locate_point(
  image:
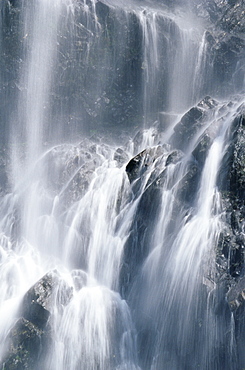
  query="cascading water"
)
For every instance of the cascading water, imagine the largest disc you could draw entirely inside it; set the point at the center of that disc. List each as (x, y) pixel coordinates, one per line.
(178, 264)
(109, 261)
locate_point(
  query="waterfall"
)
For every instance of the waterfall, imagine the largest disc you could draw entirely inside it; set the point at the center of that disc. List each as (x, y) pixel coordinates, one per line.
(114, 180)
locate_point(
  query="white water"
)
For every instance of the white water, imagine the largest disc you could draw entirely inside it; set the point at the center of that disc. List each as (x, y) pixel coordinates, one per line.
(54, 220)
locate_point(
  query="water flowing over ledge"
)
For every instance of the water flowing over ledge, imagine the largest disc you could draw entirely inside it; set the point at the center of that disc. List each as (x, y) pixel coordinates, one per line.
(122, 186)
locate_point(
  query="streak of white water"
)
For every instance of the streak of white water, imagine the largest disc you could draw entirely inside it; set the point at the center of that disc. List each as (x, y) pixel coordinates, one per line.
(183, 255)
(20, 267)
(99, 211)
(41, 36)
(182, 72)
(197, 236)
(85, 332)
(150, 66)
(200, 66)
(91, 233)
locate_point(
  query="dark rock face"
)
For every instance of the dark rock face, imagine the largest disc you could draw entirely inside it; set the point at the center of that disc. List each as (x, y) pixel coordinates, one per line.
(230, 254)
(227, 14)
(10, 64)
(188, 185)
(25, 345)
(39, 299)
(137, 246)
(237, 174)
(192, 121)
(199, 153)
(134, 166)
(236, 295)
(234, 197)
(225, 41)
(232, 16)
(236, 301)
(139, 164)
(30, 338)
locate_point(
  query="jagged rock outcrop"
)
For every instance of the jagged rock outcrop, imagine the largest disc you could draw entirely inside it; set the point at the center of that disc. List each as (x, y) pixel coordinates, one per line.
(134, 166)
(193, 121)
(30, 337)
(26, 343)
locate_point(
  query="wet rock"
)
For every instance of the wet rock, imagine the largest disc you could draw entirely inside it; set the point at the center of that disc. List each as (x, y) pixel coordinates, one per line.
(193, 115)
(201, 150)
(30, 337)
(232, 18)
(236, 295)
(231, 245)
(26, 344)
(237, 173)
(187, 187)
(227, 52)
(225, 41)
(121, 157)
(157, 160)
(134, 166)
(174, 157)
(40, 298)
(138, 243)
(227, 15)
(234, 182)
(37, 301)
(192, 121)
(207, 103)
(232, 187)
(211, 9)
(79, 183)
(139, 164)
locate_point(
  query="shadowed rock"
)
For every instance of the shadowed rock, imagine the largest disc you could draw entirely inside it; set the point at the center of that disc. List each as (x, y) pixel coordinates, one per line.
(236, 295)
(30, 337)
(26, 344)
(192, 121)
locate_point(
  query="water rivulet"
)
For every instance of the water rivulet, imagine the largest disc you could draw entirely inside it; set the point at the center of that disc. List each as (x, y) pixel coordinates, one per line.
(122, 185)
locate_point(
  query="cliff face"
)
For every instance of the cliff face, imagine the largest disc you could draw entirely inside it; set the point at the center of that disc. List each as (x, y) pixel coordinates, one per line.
(226, 41)
(100, 76)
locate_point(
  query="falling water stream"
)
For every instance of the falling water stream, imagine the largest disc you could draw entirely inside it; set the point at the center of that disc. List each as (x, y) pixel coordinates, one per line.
(71, 209)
